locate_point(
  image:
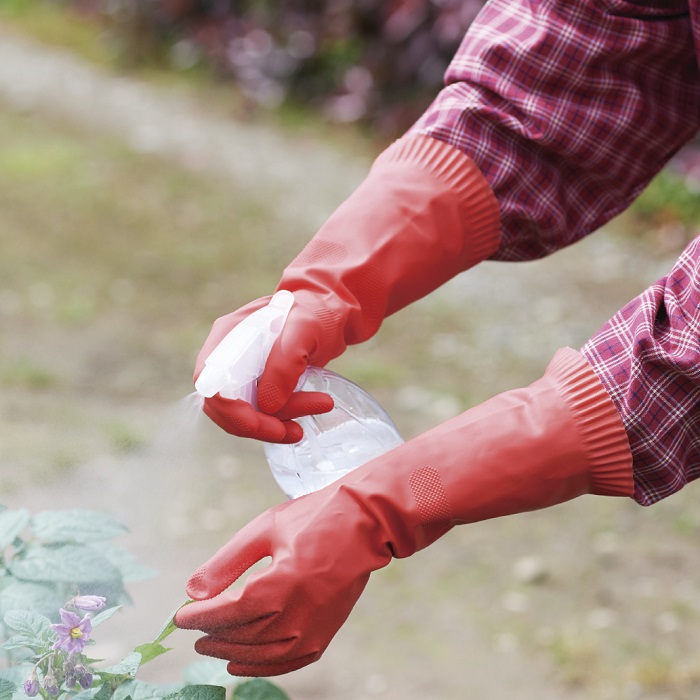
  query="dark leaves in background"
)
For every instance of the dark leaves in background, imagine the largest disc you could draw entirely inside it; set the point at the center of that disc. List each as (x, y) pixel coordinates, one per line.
(369, 61)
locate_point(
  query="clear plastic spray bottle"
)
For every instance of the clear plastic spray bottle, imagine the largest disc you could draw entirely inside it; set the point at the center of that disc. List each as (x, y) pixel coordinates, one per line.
(357, 430)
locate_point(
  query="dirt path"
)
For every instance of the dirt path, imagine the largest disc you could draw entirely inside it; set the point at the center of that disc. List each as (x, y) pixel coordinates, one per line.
(466, 619)
(256, 158)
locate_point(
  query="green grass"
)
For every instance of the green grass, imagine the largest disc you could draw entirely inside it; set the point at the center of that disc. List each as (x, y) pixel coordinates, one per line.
(98, 239)
(124, 438)
(669, 200)
(52, 25)
(84, 213)
(27, 375)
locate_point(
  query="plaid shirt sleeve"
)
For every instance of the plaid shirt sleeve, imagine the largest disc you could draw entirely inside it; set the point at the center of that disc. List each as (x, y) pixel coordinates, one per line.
(648, 358)
(569, 108)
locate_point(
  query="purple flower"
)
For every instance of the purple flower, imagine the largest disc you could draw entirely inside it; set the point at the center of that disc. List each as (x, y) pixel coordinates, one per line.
(89, 603)
(73, 633)
(31, 686)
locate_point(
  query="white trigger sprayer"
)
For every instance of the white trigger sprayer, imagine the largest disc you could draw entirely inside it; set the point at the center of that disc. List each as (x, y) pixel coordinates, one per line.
(236, 363)
(354, 432)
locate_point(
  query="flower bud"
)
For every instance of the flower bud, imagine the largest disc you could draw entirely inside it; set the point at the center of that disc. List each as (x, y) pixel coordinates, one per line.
(79, 670)
(71, 680)
(51, 685)
(89, 603)
(85, 680)
(31, 686)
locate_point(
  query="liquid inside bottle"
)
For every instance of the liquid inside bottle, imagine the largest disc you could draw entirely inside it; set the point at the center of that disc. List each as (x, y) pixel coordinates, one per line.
(357, 430)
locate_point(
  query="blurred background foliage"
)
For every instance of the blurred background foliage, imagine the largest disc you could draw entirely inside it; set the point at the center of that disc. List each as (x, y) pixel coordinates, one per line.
(372, 64)
(369, 61)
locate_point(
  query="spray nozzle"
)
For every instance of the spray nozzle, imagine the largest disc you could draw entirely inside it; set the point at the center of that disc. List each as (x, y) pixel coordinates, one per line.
(236, 363)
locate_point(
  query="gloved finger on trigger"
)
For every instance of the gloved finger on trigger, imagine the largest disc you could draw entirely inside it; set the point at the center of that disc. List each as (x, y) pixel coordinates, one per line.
(239, 418)
(305, 403)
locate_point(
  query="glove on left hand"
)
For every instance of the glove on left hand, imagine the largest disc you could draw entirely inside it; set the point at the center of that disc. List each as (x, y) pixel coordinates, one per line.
(557, 439)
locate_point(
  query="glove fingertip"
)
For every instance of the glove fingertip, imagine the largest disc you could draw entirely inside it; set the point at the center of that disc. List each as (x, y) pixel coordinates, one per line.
(198, 587)
(294, 433)
(322, 403)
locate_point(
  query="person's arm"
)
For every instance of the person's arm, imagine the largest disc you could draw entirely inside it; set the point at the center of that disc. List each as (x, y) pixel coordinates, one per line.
(423, 214)
(556, 116)
(648, 358)
(568, 108)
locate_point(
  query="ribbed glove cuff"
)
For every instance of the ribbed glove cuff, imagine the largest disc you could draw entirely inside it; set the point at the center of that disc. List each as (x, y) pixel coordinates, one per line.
(459, 175)
(603, 435)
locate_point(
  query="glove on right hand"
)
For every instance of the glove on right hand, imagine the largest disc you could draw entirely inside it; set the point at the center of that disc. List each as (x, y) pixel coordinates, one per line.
(423, 214)
(278, 402)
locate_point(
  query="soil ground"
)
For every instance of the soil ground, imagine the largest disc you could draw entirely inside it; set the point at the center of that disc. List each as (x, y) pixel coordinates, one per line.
(131, 215)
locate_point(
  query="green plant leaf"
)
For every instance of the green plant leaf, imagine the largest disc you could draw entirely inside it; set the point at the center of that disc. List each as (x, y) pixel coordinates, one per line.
(140, 690)
(209, 671)
(70, 563)
(105, 615)
(128, 666)
(129, 568)
(42, 598)
(169, 626)
(7, 689)
(75, 525)
(29, 624)
(89, 660)
(22, 641)
(258, 689)
(199, 692)
(150, 651)
(12, 522)
(103, 693)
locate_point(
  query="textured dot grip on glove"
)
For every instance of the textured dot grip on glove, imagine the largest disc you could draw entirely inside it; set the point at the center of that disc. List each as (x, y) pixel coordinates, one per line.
(269, 395)
(304, 403)
(431, 500)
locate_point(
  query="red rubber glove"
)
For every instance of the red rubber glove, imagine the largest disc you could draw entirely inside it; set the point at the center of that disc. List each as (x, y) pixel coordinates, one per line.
(423, 214)
(557, 439)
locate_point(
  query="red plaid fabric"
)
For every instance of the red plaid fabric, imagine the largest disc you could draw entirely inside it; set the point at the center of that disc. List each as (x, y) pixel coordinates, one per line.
(569, 108)
(648, 357)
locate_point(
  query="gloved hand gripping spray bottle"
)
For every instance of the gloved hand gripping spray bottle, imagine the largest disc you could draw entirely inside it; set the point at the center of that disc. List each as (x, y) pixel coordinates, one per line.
(354, 432)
